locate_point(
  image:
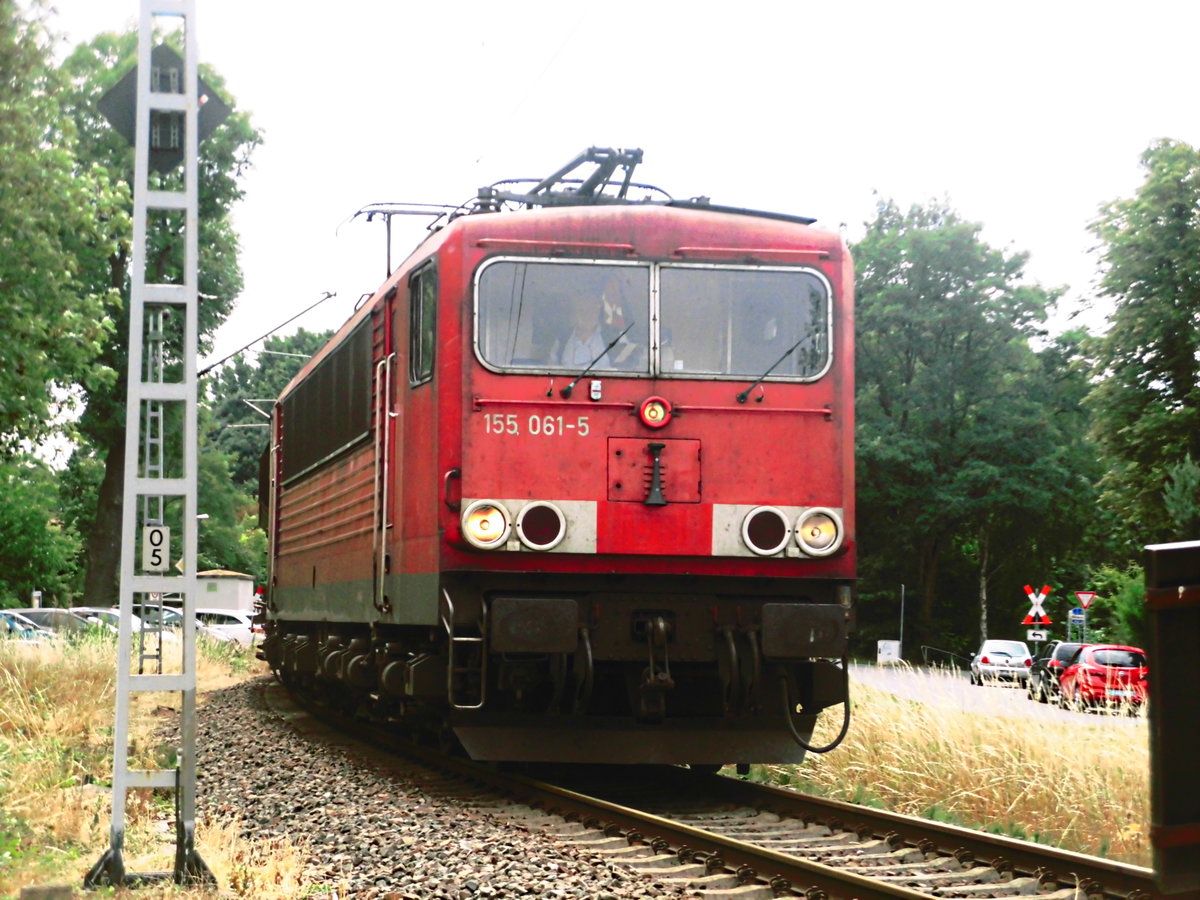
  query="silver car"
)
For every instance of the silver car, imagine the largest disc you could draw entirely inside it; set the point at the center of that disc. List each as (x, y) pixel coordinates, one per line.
(16, 626)
(1001, 661)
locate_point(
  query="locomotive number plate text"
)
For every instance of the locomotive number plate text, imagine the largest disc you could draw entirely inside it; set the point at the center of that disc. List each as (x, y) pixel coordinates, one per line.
(537, 425)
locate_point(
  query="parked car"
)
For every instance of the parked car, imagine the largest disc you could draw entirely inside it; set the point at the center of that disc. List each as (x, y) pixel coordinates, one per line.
(1048, 667)
(150, 613)
(999, 660)
(16, 626)
(111, 618)
(1112, 675)
(235, 623)
(172, 618)
(60, 621)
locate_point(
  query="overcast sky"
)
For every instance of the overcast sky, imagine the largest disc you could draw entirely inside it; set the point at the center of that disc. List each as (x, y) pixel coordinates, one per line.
(1026, 116)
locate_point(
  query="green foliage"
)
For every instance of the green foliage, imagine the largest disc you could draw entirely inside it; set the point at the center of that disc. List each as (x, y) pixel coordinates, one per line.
(60, 215)
(1146, 403)
(1118, 613)
(36, 551)
(969, 465)
(226, 537)
(90, 71)
(1181, 497)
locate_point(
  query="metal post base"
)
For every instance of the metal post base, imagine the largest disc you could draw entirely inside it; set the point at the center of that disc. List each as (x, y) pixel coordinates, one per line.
(190, 869)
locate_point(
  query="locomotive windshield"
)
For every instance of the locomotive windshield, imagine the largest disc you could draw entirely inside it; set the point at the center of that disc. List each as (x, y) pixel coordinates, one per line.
(715, 321)
(547, 315)
(739, 322)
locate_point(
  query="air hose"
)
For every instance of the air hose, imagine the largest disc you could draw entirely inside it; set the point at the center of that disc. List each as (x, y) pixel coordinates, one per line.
(788, 708)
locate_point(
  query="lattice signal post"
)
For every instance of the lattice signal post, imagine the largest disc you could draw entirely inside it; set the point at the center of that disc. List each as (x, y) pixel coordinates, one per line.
(160, 430)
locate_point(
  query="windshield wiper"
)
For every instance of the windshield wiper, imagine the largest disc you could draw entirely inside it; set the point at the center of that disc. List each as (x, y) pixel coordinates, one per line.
(566, 391)
(741, 398)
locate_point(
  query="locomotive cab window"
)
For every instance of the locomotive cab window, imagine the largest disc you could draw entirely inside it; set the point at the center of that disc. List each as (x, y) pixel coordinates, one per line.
(742, 322)
(711, 321)
(563, 315)
(422, 325)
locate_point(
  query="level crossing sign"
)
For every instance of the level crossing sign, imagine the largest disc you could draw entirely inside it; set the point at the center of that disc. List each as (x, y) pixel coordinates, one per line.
(1036, 615)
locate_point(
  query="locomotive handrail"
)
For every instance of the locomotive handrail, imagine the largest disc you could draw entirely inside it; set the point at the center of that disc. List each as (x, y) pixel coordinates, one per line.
(480, 402)
(451, 474)
(383, 379)
(826, 411)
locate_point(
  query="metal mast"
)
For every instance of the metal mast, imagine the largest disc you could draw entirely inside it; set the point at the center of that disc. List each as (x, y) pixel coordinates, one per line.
(160, 428)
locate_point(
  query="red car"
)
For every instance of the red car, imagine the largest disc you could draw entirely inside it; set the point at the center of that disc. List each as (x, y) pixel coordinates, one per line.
(1105, 674)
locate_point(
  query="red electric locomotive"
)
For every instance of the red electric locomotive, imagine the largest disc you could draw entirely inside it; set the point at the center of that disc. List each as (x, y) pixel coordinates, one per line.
(576, 484)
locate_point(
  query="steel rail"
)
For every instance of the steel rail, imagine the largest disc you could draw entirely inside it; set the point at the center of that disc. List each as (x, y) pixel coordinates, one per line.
(786, 874)
(714, 851)
(1034, 859)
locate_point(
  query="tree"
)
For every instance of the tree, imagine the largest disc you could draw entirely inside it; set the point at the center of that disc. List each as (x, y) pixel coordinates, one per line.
(60, 218)
(230, 514)
(1181, 496)
(37, 552)
(960, 454)
(91, 70)
(1118, 614)
(1146, 404)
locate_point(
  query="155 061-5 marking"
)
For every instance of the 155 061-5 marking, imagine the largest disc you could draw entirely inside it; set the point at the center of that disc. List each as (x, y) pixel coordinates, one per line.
(543, 426)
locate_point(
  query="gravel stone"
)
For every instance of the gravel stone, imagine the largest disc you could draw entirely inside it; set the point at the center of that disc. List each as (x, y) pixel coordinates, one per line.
(384, 835)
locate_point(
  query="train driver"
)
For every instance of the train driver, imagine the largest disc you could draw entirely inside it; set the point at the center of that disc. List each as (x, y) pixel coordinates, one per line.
(585, 343)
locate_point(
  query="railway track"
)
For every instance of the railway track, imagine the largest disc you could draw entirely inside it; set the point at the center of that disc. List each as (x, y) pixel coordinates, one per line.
(727, 838)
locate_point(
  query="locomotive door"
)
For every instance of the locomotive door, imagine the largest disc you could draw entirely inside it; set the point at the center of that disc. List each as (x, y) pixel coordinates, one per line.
(417, 485)
(383, 392)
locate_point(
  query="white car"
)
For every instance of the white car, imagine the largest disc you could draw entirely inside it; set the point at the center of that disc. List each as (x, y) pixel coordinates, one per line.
(233, 623)
(172, 618)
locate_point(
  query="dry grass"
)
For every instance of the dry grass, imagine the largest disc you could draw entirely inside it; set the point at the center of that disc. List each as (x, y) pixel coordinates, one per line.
(1063, 785)
(1082, 786)
(56, 717)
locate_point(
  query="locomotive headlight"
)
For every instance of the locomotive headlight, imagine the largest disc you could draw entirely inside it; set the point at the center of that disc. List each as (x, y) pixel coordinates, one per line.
(819, 532)
(541, 526)
(655, 412)
(765, 530)
(485, 524)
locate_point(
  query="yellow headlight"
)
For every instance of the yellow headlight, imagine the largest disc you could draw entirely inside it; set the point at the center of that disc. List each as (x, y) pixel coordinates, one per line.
(819, 532)
(485, 524)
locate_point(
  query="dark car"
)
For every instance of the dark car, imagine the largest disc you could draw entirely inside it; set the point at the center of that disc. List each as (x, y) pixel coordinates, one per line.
(1110, 675)
(1048, 667)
